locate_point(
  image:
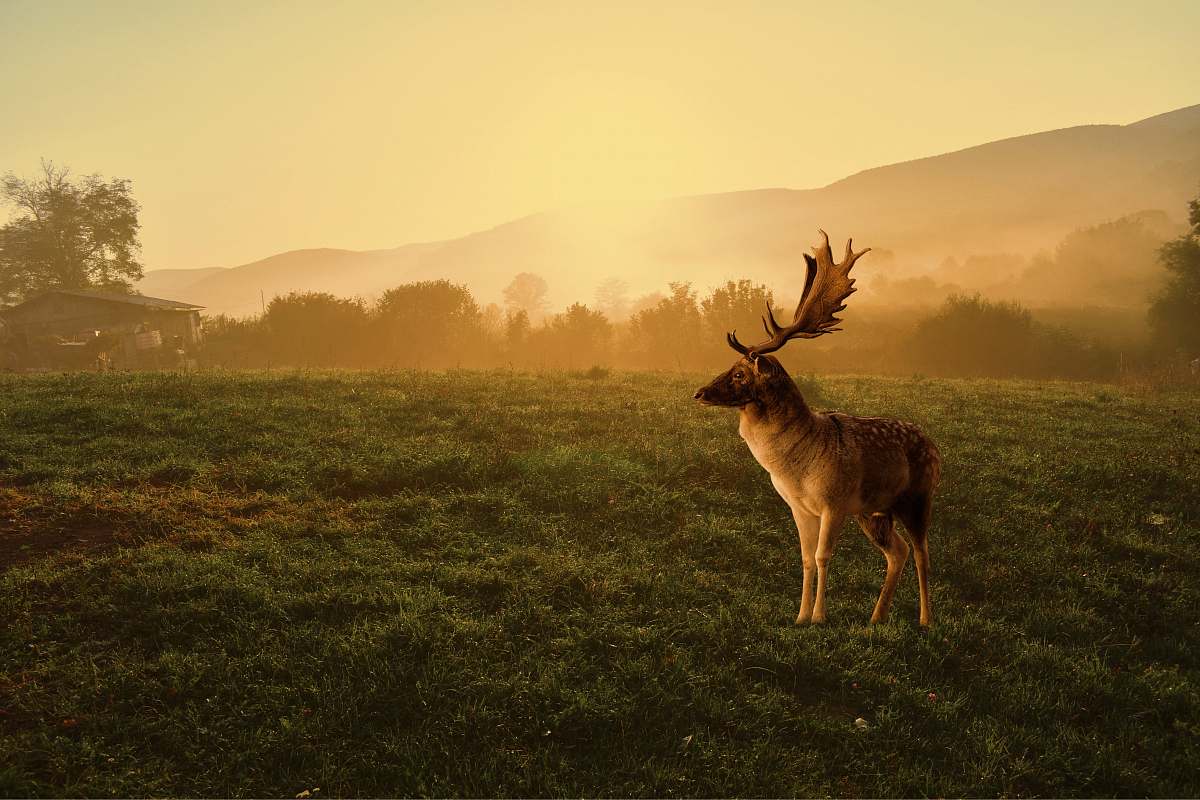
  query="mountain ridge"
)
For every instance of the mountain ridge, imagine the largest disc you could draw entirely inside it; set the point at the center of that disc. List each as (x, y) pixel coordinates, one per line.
(1016, 194)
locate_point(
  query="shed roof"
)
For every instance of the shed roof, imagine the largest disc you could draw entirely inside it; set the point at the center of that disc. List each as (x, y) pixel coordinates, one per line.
(113, 297)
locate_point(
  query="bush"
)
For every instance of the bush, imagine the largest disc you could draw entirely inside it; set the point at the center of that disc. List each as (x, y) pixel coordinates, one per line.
(973, 337)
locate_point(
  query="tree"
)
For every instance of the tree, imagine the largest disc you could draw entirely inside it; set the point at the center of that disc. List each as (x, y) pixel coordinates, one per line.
(430, 323)
(578, 337)
(612, 298)
(1175, 312)
(527, 293)
(516, 331)
(736, 306)
(235, 343)
(1111, 264)
(667, 335)
(492, 322)
(66, 234)
(645, 302)
(975, 337)
(315, 329)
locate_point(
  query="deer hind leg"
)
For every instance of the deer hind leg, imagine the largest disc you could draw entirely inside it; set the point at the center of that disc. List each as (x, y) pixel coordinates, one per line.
(810, 530)
(881, 530)
(831, 526)
(915, 512)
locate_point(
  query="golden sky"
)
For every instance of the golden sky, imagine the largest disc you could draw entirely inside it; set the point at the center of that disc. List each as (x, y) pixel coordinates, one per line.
(249, 131)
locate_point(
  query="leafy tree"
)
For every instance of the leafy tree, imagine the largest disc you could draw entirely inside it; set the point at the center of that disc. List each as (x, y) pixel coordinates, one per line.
(67, 234)
(970, 336)
(578, 337)
(738, 305)
(612, 298)
(1175, 312)
(646, 301)
(1111, 264)
(233, 342)
(516, 331)
(315, 328)
(430, 323)
(973, 336)
(668, 334)
(526, 292)
(491, 321)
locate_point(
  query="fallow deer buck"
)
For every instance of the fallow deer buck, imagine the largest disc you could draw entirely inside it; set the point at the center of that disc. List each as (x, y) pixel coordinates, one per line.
(830, 466)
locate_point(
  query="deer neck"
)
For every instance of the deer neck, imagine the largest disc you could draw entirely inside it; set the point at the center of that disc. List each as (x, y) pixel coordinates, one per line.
(776, 423)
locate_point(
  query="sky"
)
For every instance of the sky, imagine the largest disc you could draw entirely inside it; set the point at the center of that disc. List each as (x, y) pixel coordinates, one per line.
(248, 129)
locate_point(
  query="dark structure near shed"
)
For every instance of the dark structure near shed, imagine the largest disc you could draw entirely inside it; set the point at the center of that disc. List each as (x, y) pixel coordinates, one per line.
(94, 330)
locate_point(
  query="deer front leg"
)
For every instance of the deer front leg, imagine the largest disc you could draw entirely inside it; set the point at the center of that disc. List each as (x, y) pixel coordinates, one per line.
(810, 529)
(831, 525)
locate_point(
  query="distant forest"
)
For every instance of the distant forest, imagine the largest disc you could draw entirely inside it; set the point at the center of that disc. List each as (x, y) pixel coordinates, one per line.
(438, 324)
(1115, 298)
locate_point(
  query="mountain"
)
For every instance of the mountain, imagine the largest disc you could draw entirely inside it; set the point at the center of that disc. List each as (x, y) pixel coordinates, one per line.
(167, 282)
(1017, 195)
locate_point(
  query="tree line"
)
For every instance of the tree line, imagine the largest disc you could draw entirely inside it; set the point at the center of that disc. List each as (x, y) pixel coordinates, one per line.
(82, 233)
(437, 325)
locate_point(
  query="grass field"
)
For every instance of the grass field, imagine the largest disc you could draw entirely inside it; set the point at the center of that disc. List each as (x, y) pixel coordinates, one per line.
(504, 584)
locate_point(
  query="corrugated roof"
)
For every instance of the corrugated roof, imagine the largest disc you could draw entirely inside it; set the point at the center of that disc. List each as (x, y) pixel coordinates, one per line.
(114, 297)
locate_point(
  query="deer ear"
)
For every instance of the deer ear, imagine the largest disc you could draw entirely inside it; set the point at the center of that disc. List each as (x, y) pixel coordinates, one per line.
(762, 366)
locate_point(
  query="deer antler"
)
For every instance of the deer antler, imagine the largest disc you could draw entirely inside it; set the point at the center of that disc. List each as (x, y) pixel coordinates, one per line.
(825, 287)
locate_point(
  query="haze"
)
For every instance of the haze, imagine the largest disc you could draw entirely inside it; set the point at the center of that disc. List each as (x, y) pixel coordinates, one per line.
(250, 131)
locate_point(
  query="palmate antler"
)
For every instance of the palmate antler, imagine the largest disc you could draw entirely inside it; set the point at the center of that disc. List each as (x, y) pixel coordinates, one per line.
(825, 287)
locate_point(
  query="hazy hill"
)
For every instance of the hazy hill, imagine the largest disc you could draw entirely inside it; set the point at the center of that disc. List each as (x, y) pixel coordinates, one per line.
(168, 282)
(242, 290)
(1017, 195)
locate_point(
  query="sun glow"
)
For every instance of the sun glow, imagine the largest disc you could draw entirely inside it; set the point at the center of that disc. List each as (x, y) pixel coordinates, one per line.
(251, 130)
(605, 139)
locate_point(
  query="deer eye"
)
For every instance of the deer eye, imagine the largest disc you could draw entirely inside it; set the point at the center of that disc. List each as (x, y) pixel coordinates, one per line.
(739, 375)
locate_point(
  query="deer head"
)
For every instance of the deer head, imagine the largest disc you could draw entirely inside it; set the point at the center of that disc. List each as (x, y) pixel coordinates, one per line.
(826, 286)
(756, 379)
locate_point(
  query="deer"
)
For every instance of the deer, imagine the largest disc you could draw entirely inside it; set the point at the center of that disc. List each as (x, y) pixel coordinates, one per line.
(830, 466)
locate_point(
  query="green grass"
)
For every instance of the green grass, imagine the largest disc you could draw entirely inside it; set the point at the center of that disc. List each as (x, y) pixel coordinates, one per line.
(503, 584)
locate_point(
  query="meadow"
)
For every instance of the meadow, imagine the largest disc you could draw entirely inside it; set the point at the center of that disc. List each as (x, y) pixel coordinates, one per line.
(496, 583)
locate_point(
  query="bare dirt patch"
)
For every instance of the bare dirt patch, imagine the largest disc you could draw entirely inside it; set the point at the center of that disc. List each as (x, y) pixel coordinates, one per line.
(99, 519)
(29, 530)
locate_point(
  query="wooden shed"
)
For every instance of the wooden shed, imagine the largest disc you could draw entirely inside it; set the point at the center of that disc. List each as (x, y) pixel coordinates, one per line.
(64, 328)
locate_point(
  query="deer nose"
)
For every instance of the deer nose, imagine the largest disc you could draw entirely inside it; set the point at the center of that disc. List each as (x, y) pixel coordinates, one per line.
(699, 395)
